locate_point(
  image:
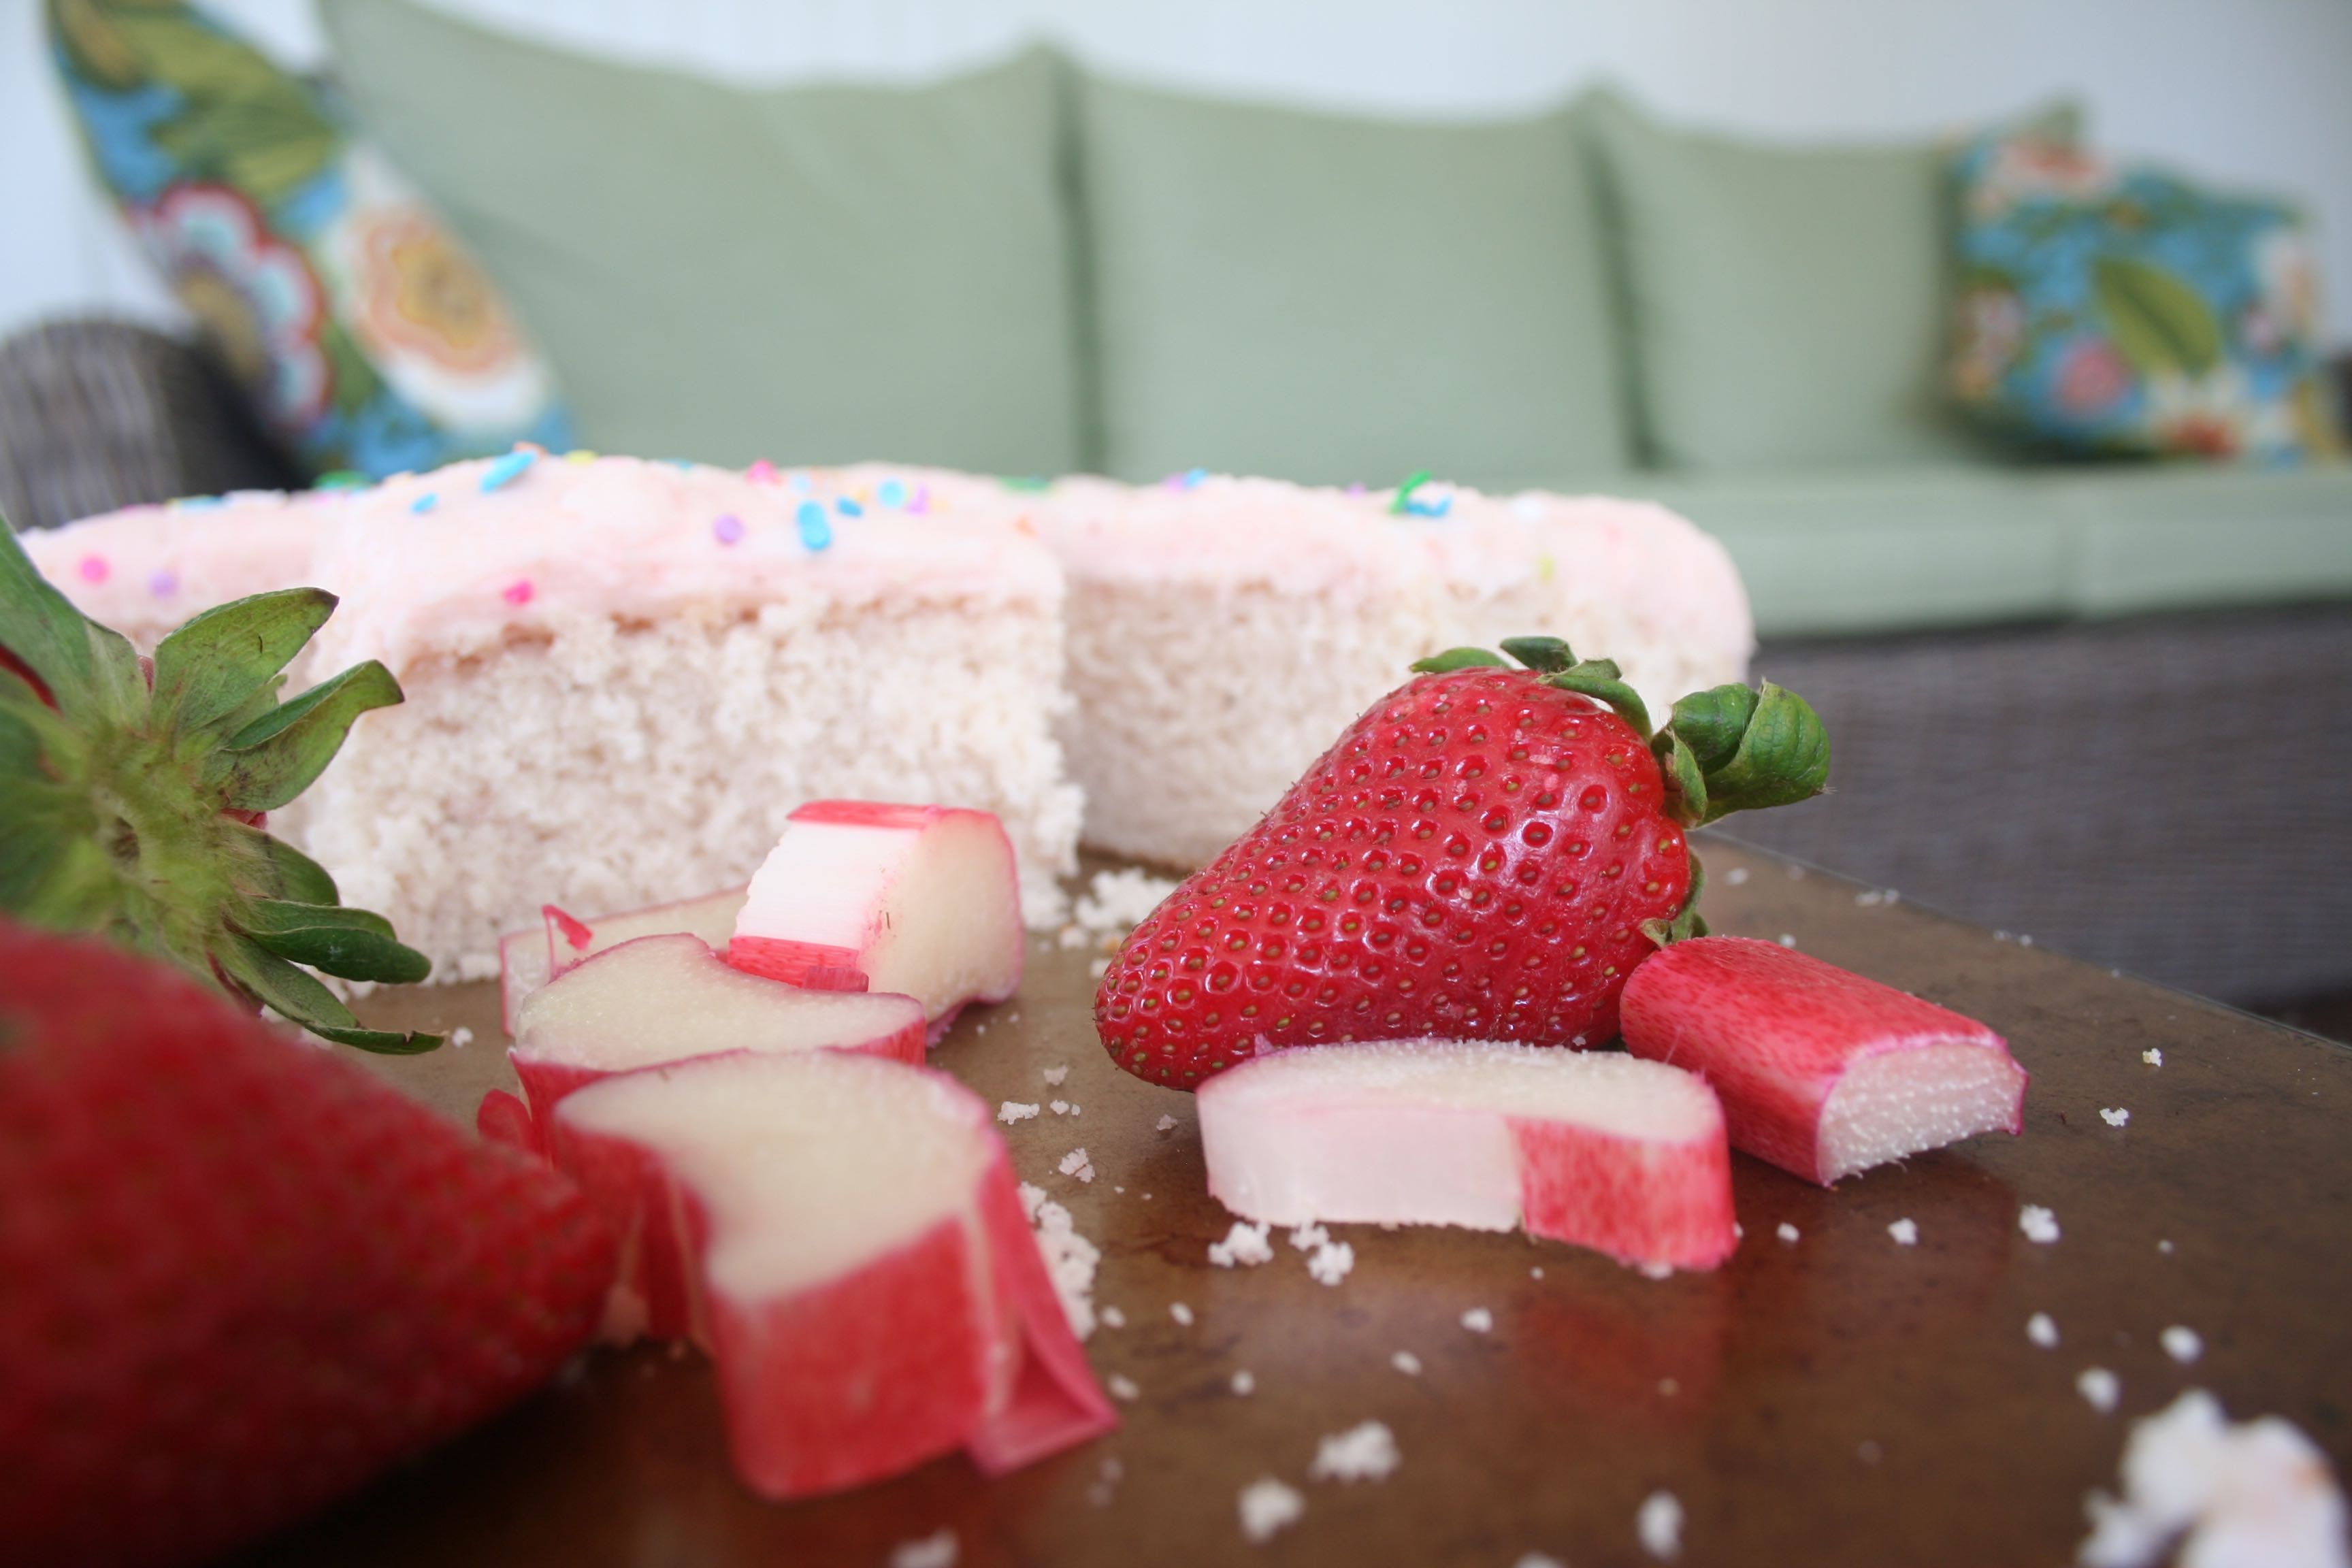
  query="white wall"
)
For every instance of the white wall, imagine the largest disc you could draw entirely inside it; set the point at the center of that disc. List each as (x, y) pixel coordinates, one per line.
(2254, 92)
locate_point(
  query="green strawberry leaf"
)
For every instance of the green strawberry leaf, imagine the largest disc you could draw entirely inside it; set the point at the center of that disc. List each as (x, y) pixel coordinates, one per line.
(353, 943)
(293, 875)
(301, 999)
(1711, 722)
(89, 671)
(1454, 659)
(275, 757)
(1547, 654)
(1600, 679)
(213, 667)
(2160, 324)
(1686, 799)
(1687, 923)
(1783, 756)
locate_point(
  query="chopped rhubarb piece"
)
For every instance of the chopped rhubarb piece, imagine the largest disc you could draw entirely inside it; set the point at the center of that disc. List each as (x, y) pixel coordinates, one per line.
(843, 1235)
(919, 899)
(661, 999)
(530, 959)
(1821, 1073)
(1620, 1155)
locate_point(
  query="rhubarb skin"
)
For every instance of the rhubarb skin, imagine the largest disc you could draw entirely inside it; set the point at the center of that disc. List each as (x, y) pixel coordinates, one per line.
(955, 1338)
(1638, 1201)
(1780, 1034)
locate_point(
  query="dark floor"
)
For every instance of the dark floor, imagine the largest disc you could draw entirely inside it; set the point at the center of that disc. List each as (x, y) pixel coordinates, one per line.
(2330, 1016)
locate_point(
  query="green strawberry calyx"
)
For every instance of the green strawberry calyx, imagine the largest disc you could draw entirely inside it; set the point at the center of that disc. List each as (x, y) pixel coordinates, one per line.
(131, 796)
(1731, 748)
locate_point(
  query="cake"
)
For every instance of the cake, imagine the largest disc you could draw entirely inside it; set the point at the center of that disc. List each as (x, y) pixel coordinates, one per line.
(621, 676)
(1223, 632)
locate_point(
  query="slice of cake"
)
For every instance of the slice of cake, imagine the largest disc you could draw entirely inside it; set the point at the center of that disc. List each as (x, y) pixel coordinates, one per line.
(623, 676)
(1222, 630)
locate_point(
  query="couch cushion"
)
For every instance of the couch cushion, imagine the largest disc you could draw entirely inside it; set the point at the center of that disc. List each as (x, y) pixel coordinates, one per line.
(1786, 303)
(1332, 300)
(809, 274)
(1910, 549)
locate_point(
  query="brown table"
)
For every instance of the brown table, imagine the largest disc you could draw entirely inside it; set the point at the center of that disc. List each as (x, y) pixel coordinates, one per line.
(1838, 1399)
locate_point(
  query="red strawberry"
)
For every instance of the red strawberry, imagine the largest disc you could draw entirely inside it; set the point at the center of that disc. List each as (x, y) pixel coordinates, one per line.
(1484, 855)
(238, 1277)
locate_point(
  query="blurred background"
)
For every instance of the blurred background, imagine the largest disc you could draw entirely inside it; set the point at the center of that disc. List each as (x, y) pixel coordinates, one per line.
(2002, 342)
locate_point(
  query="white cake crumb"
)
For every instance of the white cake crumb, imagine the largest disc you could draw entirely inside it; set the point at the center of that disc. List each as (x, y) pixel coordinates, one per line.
(1787, 1232)
(2247, 1493)
(1013, 1111)
(460, 1038)
(1331, 1262)
(1668, 1387)
(2100, 1388)
(1106, 1481)
(1905, 1231)
(1657, 1270)
(1123, 1386)
(1788, 939)
(1366, 1452)
(1537, 1272)
(931, 1551)
(2038, 1224)
(1309, 1237)
(1054, 1075)
(1659, 1524)
(1736, 876)
(1406, 1363)
(1246, 1244)
(1267, 1506)
(2165, 1248)
(1244, 1383)
(1074, 1163)
(1478, 1321)
(1115, 902)
(1060, 1108)
(1070, 1260)
(2183, 1343)
(1070, 936)
(1538, 1559)
(1166, 1123)
(2042, 1331)
(2152, 1057)
(1113, 1318)
(2115, 1117)
(1099, 968)
(1180, 1312)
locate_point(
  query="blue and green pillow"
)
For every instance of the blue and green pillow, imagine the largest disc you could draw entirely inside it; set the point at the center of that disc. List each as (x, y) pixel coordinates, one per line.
(2115, 311)
(368, 338)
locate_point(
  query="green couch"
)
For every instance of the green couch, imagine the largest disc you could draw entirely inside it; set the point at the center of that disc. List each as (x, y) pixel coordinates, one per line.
(1032, 268)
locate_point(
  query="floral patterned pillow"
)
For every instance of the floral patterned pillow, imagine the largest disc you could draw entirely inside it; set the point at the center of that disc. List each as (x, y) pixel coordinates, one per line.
(369, 339)
(2122, 311)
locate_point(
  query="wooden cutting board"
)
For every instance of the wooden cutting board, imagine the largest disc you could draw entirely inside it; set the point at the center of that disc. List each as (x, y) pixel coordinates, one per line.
(1838, 1398)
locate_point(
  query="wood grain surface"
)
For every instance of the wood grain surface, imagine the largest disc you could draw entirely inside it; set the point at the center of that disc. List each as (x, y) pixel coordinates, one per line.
(1836, 1399)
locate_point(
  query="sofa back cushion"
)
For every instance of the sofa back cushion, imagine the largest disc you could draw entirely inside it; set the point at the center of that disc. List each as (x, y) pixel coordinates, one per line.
(1332, 300)
(812, 274)
(1786, 304)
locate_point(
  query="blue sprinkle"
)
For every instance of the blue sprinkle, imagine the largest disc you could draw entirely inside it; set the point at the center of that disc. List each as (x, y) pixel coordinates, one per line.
(508, 469)
(425, 502)
(848, 508)
(891, 494)
(1437, 508)
(198, 503)
(683, 465)
(815, 532)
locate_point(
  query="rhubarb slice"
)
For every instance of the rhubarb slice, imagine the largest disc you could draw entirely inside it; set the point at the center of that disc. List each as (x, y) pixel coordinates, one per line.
(1821, 1073)
(1624, 1156)
(843, 1235)
(919, 900)
(529, 959)
(663, 999)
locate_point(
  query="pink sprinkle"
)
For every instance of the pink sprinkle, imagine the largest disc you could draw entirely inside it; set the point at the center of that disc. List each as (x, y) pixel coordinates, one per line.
(763, 472)
(163, 585)
(727, 529)
(93, 569)
(517, 594)
(922, 501)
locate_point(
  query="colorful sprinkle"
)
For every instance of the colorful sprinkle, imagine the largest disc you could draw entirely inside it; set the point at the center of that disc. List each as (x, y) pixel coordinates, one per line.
(1357, 489)
(815, 532)
(848, 508)
(1437, 508)
(892, 494)
(1027, 482)
(343, 480)
(801, 483)
(763, 472)
(683, 465)
(1545, 568)
(922, 501)
(425, 504)
(1189, 480)
(1403, 502)
(93, 569)
(580, 455)
(198, 503)
(727, 529)
(163, 585)
(507, 469)
(517, 594)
